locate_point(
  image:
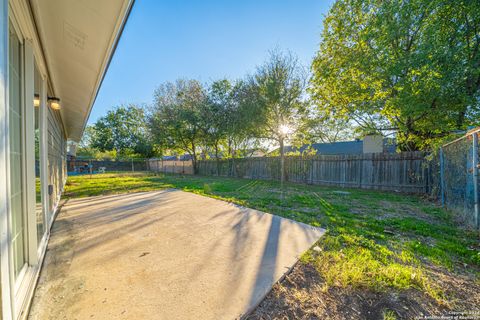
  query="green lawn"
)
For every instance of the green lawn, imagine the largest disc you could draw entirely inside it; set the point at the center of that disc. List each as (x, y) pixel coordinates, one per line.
(375, 240)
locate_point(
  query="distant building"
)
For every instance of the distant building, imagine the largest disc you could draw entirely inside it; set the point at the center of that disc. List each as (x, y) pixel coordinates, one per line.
(254, 153)
(185, 157)
(375, 144)
(257, 153)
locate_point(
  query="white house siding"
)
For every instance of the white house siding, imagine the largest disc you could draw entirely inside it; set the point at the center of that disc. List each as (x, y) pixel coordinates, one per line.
(56, 163)
(65, 71)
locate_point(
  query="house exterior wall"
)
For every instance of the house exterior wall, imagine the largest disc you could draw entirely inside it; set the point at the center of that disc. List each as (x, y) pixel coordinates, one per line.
(56, 162)
(373, 144)
(17, 287)
(40, 131)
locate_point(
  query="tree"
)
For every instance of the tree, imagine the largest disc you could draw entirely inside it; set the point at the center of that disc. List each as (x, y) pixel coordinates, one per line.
(244, 121)
(278, 91)
(84, 148)
(123, 130)
(176, 117)
(317, 127)
(229, 117)
(215, 115)
(408, 66)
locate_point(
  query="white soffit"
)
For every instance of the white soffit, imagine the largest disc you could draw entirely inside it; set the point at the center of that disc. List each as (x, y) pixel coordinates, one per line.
(78, 39)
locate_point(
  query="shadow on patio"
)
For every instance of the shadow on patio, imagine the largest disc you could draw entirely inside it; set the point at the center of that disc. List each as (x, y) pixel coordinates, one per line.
(164, 255)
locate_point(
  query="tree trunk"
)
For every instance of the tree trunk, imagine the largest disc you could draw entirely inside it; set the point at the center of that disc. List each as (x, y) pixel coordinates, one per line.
(282, 164)
(217, 160)
(194, 160)
(195, 165)
(234, 154)
(230, 152)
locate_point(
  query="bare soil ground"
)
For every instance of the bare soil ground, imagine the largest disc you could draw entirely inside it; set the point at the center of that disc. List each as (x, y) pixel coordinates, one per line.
(304, 294)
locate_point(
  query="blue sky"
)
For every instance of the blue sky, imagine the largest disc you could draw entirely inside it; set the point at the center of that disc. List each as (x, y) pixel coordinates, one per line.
(206, 40)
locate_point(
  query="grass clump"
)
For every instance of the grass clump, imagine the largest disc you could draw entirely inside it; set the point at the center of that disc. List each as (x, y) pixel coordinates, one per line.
(362, 263)
(207, 189)
(389, 315)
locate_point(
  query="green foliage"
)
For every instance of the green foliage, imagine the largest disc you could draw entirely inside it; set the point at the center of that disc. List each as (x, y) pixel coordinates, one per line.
(215, 116)
(176, 117)
(318, 127)
(122, 132)
(207, 189)
(243, 121)
(405, 66)
(218, 120)
(277, 90)
(228, 120)
(389, 315)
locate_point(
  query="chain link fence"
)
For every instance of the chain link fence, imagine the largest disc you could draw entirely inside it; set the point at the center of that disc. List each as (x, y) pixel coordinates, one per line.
(92, 166)
(170, 166)
(458, 174)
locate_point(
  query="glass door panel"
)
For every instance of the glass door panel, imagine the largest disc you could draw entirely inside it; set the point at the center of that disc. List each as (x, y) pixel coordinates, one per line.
(38, 189)
(16, 195)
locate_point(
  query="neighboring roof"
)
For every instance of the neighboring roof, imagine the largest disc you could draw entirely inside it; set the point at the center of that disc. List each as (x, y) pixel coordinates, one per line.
(347, 147)
(169, 158)
(185, 157)
(78, 40)
(342, 147)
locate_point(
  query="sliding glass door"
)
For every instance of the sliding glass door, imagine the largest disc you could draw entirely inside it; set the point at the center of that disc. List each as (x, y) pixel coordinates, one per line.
(38, 106)
(16, 153)
(26, 229)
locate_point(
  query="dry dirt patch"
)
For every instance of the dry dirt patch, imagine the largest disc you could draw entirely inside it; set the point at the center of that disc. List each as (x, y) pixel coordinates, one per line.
(303, 294)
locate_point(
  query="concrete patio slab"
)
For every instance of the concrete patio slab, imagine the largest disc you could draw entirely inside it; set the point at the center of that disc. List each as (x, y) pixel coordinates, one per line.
(164, 255)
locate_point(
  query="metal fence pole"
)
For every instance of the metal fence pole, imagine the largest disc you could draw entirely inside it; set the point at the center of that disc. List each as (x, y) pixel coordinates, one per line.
(475, 178)
(442, 177)
(90, 167)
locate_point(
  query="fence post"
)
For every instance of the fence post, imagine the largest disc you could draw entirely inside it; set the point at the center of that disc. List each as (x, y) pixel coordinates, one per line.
(311, 170)
(426, 177)
(133, 169)
(360, 163)
(442, 177)
(475, 178)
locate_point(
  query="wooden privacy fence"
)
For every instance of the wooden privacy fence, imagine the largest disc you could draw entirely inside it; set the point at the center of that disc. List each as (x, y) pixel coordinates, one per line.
(403, 172)
(170, 166)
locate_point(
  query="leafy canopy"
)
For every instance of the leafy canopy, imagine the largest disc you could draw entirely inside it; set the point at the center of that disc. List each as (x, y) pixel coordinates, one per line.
(407, 66)
(176, 115)
(122, 130)
(278, 89)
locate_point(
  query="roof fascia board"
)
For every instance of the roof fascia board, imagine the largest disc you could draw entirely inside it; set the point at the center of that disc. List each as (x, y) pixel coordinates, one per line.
(108, 57)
